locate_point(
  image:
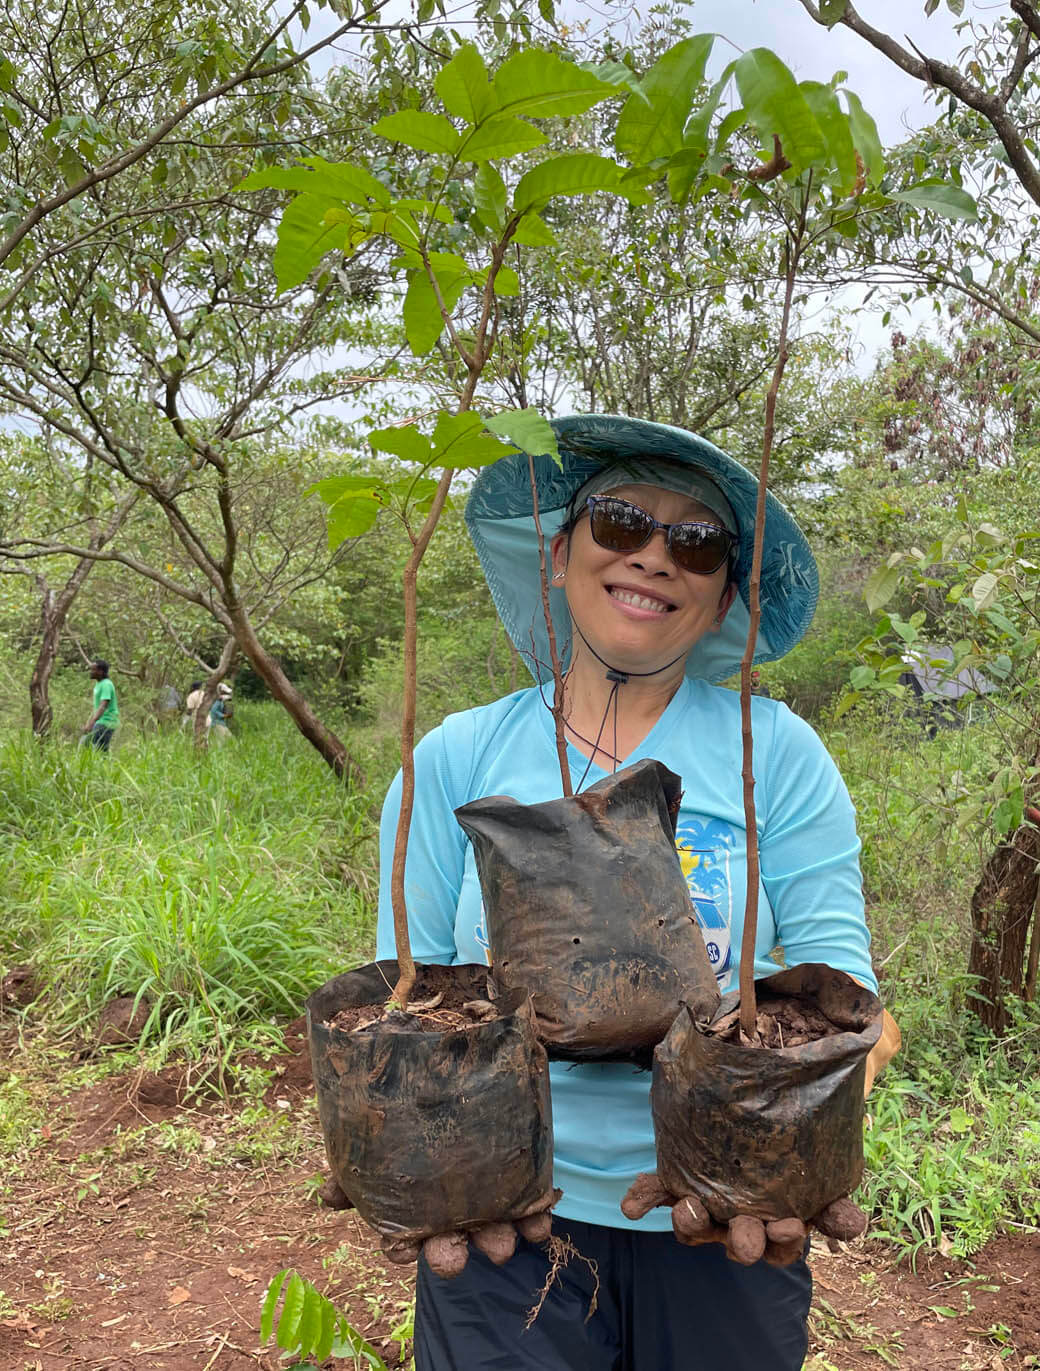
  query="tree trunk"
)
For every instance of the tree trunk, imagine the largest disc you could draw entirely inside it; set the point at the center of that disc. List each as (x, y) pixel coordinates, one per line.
(209, 693)
(1001, 911)
(270, 672)
(54, 612)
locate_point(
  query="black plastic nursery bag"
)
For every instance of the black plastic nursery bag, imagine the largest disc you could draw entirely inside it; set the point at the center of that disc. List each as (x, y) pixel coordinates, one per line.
(429, 1132)
(586, 903)
(775, 1133)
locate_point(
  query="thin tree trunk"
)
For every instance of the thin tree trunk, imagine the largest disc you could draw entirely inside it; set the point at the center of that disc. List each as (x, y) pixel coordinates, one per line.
(331, 749)
(55, 612)
(1002, 907)
(209, 692)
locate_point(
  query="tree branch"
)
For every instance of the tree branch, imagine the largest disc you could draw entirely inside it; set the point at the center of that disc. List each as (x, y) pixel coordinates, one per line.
(115, 165)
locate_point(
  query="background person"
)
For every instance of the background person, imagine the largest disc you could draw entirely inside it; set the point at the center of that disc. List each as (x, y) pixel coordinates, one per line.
(650, 531)
(192, 703)
(103, 723)
(216, 722)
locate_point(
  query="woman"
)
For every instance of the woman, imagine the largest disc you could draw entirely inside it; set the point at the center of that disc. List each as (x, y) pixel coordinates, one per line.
(650, 531)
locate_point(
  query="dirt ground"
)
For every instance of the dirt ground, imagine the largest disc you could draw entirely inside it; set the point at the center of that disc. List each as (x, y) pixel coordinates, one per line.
(145, 1230)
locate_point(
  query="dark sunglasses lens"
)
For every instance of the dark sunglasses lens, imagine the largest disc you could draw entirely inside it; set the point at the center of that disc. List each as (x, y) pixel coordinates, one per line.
(619, 526)
(699, 547)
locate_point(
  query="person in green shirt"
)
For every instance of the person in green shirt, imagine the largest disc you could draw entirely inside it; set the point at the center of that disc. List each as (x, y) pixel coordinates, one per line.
(103, 722)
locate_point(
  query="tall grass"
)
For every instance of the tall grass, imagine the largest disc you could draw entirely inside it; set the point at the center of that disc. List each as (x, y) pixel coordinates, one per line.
(216, 888)
(953, 1150)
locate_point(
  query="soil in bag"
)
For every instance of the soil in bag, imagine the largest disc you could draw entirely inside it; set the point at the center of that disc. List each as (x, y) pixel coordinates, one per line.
(431, 1129)
(775, 1131)
(586, 903)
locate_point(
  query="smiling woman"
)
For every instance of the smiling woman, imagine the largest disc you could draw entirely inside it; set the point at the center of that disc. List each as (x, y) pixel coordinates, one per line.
(651, 536)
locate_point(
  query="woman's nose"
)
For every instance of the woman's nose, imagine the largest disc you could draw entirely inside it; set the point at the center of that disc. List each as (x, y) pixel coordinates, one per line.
(653, 557)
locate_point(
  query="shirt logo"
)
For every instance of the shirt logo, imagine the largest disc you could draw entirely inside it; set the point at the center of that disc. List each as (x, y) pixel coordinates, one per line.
(704, 847)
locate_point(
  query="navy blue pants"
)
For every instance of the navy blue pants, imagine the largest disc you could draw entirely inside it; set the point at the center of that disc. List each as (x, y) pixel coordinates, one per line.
(660, 1307)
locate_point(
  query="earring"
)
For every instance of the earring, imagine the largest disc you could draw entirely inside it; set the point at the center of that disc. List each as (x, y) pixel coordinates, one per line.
(559, 576)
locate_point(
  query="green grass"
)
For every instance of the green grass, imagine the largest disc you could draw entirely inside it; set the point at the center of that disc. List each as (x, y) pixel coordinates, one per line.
(218, 888)
(953, 1151)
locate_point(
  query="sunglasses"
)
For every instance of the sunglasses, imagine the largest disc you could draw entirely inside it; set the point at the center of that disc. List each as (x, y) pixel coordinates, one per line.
(620, 526)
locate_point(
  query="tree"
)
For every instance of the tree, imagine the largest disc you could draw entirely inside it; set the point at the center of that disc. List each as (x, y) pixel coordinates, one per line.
(140, 337)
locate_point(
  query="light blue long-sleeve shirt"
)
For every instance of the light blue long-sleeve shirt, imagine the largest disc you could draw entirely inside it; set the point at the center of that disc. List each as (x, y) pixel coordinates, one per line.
(810, 897)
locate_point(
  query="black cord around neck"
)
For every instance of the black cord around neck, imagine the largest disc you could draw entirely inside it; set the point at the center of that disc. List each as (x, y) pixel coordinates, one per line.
(617, 679)
(614, 673)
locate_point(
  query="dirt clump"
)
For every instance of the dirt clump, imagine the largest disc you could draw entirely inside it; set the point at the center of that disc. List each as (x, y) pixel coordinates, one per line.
(17, 988)
(121, 1022)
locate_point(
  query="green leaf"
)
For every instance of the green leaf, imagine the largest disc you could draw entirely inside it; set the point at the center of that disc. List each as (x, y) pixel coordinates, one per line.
(846, 702)
(285, 1335)
(464, 87)
(500, 138)
(984, 591)
(579, 173)
(687, 164)
(308, 1329)
(405, 442)
(527, 431)
(865, 137)
(776, 107)
(507, 282)
(880, 587)
(651, 123)
(304, 237)
(835, 126)
(490, 195)
(614, 73)
(268, 1307)
(862, 676)
(539, 84)
(323, 1345)
(959, 1120)
(423, 320)
(832, 11)
(352, 505)
(459, 440)
(941, 198)
(315, 176)
(417, 129)
(533, 232)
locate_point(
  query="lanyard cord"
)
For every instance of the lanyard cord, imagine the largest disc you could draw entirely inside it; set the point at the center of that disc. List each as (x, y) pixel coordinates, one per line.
(617, 679)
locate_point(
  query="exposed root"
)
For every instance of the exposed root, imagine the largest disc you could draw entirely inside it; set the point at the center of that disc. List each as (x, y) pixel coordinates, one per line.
(561, 1251)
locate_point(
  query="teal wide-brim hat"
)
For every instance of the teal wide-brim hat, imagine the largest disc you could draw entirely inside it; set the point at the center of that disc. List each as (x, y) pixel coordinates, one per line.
(501, 523)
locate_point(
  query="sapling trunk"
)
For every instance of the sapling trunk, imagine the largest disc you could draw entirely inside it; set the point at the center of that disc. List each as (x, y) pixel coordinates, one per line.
(402, 942)
(554, 654)
(748, 1004)
(476, 359)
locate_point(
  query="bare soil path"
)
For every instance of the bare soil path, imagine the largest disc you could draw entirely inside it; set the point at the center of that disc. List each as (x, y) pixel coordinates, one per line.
(142, 1233)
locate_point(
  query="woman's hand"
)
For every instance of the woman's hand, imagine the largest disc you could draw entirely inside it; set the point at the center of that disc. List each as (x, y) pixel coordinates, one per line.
(447, 1253)
(747, 1239)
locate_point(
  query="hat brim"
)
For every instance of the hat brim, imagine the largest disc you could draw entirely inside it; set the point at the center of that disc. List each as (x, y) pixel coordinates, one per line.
(499, 515)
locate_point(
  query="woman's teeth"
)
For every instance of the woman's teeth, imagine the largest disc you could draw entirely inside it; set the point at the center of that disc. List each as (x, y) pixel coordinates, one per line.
(629, 597)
